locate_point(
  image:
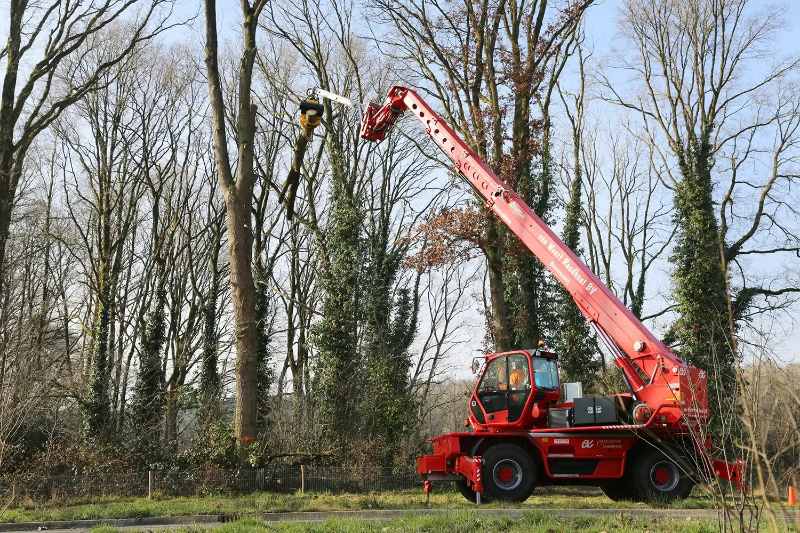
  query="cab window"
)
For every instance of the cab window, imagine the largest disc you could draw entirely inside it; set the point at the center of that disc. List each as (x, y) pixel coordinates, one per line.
(494, 378)
(519, 378)
(545, 373)
(519, 385)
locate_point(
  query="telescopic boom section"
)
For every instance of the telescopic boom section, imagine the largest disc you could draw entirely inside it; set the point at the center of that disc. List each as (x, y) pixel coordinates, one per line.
(654, 373)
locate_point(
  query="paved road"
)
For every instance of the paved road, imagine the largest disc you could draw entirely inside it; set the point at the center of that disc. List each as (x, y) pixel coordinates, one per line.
(212, 521)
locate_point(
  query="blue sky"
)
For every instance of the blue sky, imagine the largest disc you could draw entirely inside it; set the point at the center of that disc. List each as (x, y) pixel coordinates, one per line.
(602, 37)
(602, 29)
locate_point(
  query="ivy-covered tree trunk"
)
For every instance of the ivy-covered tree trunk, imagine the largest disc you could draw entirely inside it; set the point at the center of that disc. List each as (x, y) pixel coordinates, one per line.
(97, 409)
(575, 344)
(703, 329)
(209, 375)
(338, 384)
(387, 407)
(171, 406)
(97, 415)
(530, 291)
(265, 373)
(210, 390)
(148, 400)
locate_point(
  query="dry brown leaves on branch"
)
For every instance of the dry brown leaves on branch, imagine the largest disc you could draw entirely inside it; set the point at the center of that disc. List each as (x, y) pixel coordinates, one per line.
(450, 236)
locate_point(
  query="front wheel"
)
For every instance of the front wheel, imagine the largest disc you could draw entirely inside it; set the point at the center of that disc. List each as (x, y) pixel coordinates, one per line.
(509, 473)
(468, 493)
(619, 490)
(658, 478)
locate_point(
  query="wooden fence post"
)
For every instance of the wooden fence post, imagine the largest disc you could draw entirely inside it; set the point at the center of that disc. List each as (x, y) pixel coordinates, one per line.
(302, 478)
(149, 484)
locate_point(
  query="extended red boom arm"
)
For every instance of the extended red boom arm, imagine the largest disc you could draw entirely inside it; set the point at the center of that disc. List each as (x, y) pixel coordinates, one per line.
(654, 373)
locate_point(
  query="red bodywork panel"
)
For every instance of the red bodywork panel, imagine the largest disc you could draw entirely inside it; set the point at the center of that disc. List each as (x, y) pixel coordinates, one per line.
(565, 455)
(597, 455)
(733, 472)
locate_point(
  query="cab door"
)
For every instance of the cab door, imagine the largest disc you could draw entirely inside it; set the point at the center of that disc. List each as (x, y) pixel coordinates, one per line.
(505, 388)
(519, 385)
(493, 390)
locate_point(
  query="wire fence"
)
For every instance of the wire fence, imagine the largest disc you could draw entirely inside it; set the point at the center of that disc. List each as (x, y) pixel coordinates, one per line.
(198, 482)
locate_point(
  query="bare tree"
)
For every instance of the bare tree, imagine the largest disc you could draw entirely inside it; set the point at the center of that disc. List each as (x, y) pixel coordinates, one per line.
(627, 217)
(237, 189)
(446, 295)
(764, 230)
(709, 92)
(34, 356)
(492, 66)
(46, 35)
(102, 202)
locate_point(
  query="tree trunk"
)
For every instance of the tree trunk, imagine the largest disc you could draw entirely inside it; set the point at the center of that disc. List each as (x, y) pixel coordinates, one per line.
(171, 419)
(240, 243)
(8, 179)
(501, 326)
(238, 198)
(7, 191)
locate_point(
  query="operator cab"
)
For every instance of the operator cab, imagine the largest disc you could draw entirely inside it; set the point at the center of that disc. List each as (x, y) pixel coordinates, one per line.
(514, 390)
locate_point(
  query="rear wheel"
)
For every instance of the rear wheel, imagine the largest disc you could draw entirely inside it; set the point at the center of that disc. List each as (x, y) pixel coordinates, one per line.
(658, 478)
(509, 473)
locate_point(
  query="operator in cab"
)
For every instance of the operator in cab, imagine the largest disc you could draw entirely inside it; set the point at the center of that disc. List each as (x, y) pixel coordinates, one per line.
(518, 378)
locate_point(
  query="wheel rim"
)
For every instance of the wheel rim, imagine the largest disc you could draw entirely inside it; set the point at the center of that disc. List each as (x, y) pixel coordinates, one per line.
(664, 476)
(507, 474)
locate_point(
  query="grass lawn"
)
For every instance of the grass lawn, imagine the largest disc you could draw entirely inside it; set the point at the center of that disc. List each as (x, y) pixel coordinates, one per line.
(467, 522)
(561, 497)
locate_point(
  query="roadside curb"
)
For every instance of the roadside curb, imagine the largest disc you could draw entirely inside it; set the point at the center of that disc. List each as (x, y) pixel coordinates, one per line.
(360, 514)
(113, 522)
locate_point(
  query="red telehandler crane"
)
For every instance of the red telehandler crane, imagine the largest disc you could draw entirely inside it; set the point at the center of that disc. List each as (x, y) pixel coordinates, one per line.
(644, 444)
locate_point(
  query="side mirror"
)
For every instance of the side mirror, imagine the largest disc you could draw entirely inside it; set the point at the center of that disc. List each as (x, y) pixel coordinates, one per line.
(476, 365)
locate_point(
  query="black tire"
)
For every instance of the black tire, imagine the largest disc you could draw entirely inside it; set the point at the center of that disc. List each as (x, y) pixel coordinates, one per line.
(509, 473)
(468, 493)
(619, 490)
(657, 478)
